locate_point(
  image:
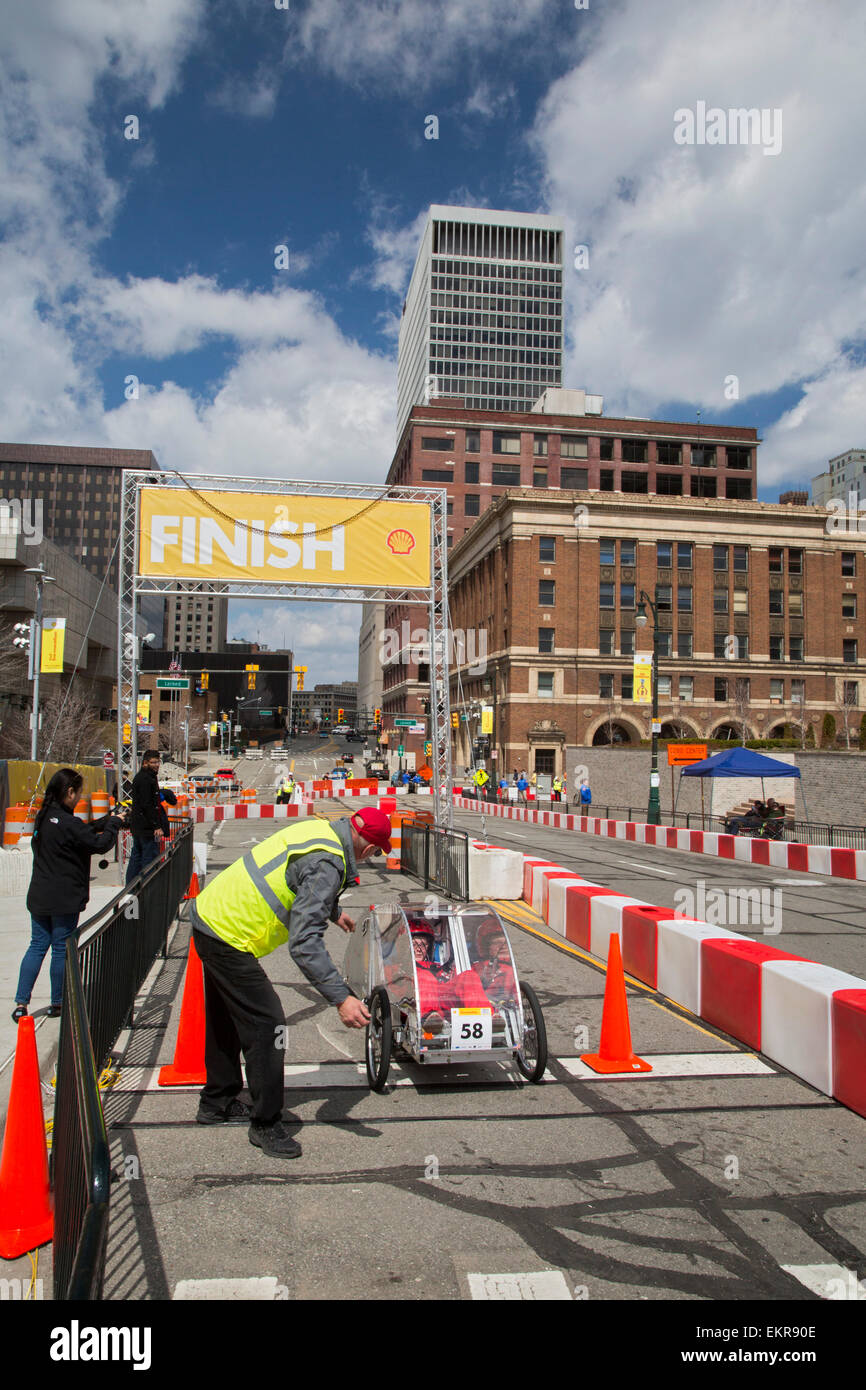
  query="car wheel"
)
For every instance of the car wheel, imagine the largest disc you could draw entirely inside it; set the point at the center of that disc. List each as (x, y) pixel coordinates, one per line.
(531, 1059)
(378, 1039)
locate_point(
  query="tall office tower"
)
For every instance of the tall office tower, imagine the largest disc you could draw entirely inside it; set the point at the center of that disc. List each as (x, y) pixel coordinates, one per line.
(846, 474)
(196, 622)
(483, 315)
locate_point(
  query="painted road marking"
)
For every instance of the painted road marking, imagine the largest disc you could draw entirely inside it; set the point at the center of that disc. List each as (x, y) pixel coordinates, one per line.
(829, 1281)
(545, 1285)
(640, 865)
(266, 1289)
(800, 882)
(673, 1065)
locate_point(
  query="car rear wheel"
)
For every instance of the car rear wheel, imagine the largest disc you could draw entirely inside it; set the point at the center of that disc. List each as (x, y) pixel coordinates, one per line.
(378, 1039)
(532, 1057)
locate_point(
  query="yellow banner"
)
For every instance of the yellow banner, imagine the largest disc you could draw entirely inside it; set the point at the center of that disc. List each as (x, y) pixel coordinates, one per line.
(143, 710)
(278, 538)
(642, 692)
(487, 719)
(53, 634)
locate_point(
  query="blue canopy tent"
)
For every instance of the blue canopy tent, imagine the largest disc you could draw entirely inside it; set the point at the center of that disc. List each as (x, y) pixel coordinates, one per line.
(742, 762)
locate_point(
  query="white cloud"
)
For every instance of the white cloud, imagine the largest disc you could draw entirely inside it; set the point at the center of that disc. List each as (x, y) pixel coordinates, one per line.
(714, 260)
(830, 418)
(488, 101)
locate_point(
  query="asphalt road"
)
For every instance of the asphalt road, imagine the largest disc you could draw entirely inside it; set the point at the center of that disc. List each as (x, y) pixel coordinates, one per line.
(473, 1183)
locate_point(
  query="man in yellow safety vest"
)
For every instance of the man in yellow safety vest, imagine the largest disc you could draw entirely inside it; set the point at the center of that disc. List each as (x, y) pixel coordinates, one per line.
(285, 889)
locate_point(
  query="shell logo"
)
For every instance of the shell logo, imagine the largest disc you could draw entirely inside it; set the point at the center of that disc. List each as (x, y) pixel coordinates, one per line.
(401, 542)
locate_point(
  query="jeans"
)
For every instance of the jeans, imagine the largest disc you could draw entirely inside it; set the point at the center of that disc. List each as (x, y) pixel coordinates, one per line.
(242, 1013)
(143, 853)
(45, 932)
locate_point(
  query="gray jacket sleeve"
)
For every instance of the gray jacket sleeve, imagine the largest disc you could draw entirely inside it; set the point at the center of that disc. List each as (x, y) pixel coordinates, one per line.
(316, 880)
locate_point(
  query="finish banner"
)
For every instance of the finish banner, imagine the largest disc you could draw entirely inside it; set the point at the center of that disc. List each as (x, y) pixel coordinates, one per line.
(272, 537)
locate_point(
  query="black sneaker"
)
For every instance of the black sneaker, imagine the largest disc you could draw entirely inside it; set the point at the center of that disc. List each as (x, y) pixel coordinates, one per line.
(55, 1010)
(20, 1011)
(237, 1112)
(275, 1140)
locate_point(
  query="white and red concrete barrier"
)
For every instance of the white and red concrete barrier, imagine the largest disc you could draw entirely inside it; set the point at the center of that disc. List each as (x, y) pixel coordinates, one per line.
(809, 1018)
(778, 854)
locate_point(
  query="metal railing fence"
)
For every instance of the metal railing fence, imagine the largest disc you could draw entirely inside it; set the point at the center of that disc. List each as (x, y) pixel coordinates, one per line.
(437, 856)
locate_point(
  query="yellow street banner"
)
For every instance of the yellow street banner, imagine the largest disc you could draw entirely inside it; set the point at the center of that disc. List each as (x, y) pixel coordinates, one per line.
(53, 634)
(643, 682)
(487, 719)
(275, 537)
(213, 728)
(142, 713)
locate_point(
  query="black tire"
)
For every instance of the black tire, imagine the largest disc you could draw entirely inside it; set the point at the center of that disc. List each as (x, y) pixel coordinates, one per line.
(377, 1039)
(532, 1058)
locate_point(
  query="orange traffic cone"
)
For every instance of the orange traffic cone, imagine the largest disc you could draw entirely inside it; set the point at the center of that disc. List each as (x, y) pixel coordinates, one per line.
(188, 1068)
(26, 1218)
(193, 890)
(615, 1054)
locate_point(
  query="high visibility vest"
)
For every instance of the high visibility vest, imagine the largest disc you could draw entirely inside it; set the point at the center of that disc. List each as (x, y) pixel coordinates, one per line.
(248, 904)
(557, 784)
(288, 784)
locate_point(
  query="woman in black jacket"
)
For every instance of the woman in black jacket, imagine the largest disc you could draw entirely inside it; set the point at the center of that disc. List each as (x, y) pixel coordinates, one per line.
(60, 886)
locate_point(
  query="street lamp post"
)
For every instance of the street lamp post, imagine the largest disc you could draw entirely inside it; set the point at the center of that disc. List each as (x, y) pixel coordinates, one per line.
(654, 804)
(36, 649)
(186, 739)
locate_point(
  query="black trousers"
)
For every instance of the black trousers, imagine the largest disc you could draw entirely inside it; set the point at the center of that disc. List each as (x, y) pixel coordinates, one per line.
(242, 1014)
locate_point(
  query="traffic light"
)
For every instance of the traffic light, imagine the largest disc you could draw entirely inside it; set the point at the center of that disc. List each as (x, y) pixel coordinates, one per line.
(378, 714)
(455, 719)
(339, 716)
(205, 677)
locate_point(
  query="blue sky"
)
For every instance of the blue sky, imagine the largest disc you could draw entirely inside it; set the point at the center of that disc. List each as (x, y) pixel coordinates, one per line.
(305, 126)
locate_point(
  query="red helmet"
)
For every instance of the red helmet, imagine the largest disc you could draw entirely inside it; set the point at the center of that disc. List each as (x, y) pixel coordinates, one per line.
(419, 926)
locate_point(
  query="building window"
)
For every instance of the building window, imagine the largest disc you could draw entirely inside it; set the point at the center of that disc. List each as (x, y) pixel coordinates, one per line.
(470, 471)
(684, 598)
(437, 442)
(720, 600)
(545, 682)
(574, 478)
(669, 485)
(605, 685)
(626, 596)
(505, 443)
(741, 559)
(669, 454)
(795, 605)
(849, 605)
(473, 442)
(436, 475)
(664, 598)
(634, 482)
(605, 480)
(605, 450)
(626, 552)
(606, 596)
(626, 685)
(777, 605)
(776, 560)
(539, 477)
(664, 687)
(546, 639)
(795, 562)
(450, 508)
(849, 563)
(633, 451)
(851, 694)
(684, 555)
(572, 447)
(739, 458)
(664, 643)
(795, 648)
(626, 641)
(703, 456)
(506, 475)
(472, 504)
(741, 601)
(720, 690)
(539, 445)
(703, 486)
(546, 592)
(777, 647)
(605, 641)
(738, 488)
(684, 644)
(849, 650)
(687, 687)
(798, 692)
(547, 548)
(777, 692)
(607, 552)
(664, 554)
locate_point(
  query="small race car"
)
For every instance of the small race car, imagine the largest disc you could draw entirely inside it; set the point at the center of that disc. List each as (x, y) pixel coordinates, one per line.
(336, 773)
(442, 988)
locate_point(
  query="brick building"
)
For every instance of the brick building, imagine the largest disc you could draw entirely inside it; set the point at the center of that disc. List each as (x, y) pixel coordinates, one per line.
(761, 618)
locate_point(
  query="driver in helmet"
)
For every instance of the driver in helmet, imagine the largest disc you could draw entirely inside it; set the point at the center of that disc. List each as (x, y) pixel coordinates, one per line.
(494, 966)
(440, 991)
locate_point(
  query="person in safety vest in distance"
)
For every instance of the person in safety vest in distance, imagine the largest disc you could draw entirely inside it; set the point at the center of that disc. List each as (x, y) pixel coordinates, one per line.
(284, 795)
(283, 890)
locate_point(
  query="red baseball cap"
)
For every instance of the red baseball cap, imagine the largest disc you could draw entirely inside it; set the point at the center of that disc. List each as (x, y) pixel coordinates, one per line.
(374, 826)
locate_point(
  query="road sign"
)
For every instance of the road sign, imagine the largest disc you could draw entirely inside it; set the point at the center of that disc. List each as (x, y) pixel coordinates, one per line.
(682, 754)
(172, 683)
(400, 750)
(265, 711)
(108, 761)
(145, 728)
(406, 723)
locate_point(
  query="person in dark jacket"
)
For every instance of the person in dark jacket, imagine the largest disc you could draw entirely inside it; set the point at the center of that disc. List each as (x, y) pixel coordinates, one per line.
(148, 821)
(60, 885)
